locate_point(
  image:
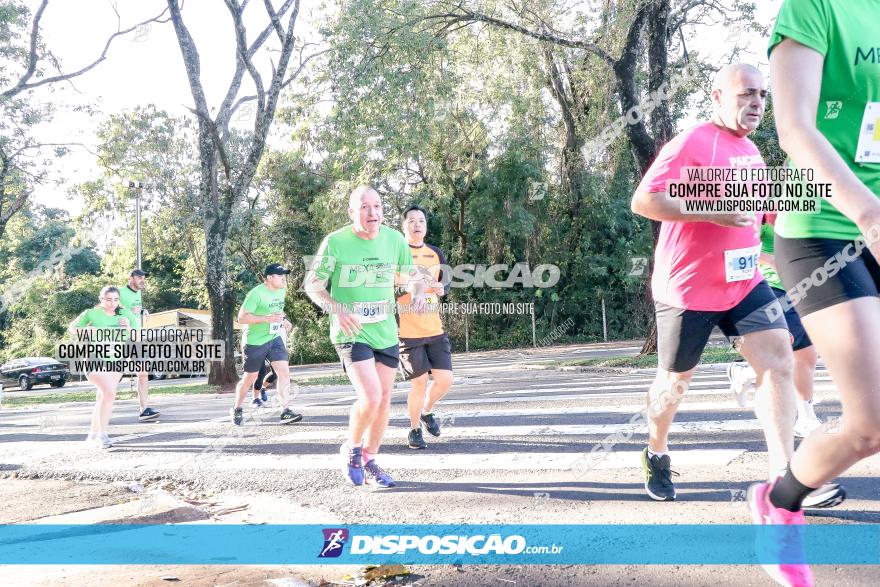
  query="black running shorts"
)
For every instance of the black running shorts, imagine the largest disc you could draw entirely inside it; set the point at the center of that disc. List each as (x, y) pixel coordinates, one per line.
(682, 334)
(419, 355)
(256, 354)
(822, 272)
(799, 338)
(353, 352)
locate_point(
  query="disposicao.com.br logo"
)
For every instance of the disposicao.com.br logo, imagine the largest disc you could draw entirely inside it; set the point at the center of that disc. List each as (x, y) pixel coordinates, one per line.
(334, 542)
(475, 545)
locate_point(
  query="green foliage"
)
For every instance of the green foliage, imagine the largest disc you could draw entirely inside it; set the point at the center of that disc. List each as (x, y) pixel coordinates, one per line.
(462, 120)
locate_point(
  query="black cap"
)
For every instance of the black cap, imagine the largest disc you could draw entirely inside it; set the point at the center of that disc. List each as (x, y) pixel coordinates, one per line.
(139, 273)
(276, 269)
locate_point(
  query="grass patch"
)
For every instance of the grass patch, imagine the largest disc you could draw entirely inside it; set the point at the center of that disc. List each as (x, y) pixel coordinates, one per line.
(332, 380)
(323, 380)
(10, 400)
(713, 354)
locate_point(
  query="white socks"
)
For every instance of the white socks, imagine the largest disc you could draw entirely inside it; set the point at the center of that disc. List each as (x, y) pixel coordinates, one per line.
(651, 453)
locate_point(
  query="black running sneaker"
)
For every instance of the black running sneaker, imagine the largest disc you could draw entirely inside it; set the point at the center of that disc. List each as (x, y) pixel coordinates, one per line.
(827, 496)
(237, 416)
(288, 416)
(148, 414)
(658, 477)
(415, 439)
(431, 424)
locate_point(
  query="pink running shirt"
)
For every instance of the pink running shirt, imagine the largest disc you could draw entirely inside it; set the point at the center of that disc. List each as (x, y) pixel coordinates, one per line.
(689, 260)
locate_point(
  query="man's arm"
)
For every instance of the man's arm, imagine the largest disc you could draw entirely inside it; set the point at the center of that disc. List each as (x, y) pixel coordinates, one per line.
(316, 288)
(444, 282)
(408, 274)
(660, 207)
(245, 317)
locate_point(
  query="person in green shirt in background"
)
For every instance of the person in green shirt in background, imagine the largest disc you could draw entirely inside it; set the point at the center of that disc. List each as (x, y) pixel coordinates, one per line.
(352, 278)
(131, 298)
(742, 377)
(263, 313)
(825, 78)
(107, 314)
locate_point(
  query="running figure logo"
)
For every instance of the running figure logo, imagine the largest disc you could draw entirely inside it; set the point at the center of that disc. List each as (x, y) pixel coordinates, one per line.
(832, 109)
(639, 264)
(334, 540)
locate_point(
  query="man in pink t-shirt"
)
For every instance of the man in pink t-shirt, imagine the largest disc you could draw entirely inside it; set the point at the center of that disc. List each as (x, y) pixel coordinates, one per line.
(705, 275)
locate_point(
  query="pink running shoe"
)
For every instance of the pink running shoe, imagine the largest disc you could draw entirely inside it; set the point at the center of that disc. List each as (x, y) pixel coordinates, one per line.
(779, 544)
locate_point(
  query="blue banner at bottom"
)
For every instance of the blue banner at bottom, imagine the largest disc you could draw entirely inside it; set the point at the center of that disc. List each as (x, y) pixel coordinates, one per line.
(191, 544)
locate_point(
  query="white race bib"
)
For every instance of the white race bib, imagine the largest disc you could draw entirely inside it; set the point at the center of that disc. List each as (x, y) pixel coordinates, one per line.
(868, 149)
(740, 264)
(370, 312)
(274, 327)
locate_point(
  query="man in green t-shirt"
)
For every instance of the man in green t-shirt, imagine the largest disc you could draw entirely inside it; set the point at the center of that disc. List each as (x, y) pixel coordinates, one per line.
(263, 313)
(825, 76)
(131, 298)
(742, 377)
(353, 277)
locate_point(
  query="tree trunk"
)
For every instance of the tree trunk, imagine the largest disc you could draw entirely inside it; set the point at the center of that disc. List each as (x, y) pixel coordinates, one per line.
(220, 296)
(9, 205)
(462, 235)
(572, 160)
(661, 127)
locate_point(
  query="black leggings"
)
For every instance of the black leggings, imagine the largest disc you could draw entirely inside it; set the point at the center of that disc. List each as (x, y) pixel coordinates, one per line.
(265, 368)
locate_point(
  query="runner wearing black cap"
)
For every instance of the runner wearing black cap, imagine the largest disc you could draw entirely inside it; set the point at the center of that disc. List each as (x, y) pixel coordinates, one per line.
(263, 313)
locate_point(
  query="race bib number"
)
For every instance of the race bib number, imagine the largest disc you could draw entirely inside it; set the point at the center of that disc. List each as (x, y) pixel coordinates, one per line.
(868, 149)
(740, 264)
(431, 300)
(274, 327)
(370, 312)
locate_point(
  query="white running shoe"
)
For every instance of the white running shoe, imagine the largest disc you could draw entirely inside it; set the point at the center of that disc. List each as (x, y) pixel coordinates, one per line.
(827, 496)
(805, 425)
(742, 380)
(100, 441)
(105, 441)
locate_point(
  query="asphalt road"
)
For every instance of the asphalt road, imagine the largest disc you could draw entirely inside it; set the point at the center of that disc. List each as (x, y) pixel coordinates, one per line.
(513, 449)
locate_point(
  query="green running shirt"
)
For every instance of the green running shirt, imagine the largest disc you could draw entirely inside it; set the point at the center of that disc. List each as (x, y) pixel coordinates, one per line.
(128, 299)
(843, 32)
(361, 276)
(769, 273)
(262, 301)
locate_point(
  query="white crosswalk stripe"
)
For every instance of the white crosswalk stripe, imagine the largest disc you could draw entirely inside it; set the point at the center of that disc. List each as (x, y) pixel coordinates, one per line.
(546, 421)
(545, 402)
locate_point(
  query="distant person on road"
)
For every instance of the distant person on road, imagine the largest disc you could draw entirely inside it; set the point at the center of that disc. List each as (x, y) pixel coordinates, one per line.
(705, 275)
(353, 278)
(263, 313)
(110, 315)
(131, 298)
(424, 345)
(265, 378)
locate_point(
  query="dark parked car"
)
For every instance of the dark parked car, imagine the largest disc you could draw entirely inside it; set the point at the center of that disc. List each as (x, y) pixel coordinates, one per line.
(32, 371)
